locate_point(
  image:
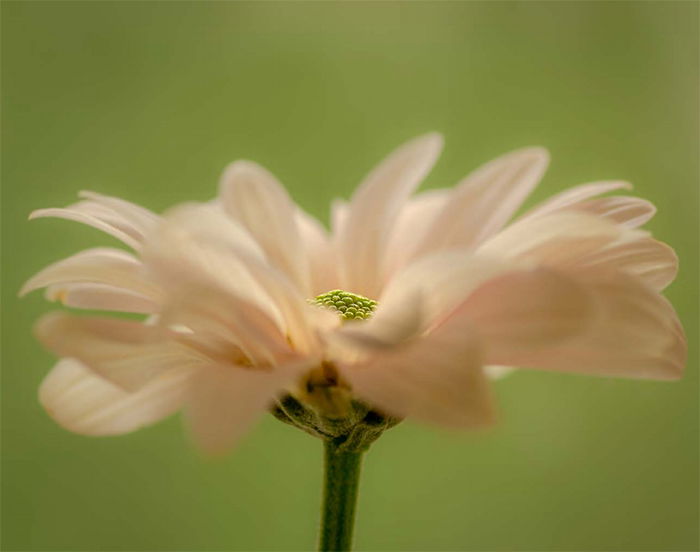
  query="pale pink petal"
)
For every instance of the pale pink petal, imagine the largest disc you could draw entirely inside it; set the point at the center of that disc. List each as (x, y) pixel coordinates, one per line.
(485, 201)
(437, 378)
(140, 219)
(441, 280)
(254, 197)
(93, 218)
(100, 265)
(320, 254)
(374, 207)
(223, 323)
(557, 239)
(339, 216)
(634, 333)
(224, 403)
(101, 297)
(496, 372)
(189, 259)
(83, 402)
(525, 310)
(630, 212)
(652, 261)
(575, 195)
(129, 354)
(414, 221)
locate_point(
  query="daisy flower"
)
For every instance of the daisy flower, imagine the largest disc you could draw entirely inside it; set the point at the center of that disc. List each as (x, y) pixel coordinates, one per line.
(404, 309)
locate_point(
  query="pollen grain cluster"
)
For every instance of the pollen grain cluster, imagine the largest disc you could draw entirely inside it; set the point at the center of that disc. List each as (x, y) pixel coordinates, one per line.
(348, 305)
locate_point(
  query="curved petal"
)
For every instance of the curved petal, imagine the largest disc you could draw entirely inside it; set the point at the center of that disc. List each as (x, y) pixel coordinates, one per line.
(634, 332)
(127, 353)
(137, 219)
(101, 297)
(375, 205)
(485, 200)
(101, 265)
(91, 216)
(558, 239)
(254, 197)
(414, 221)
(83, 402)
(320, 253)
(630, 212)
(194, 264)
(225, 402)
(437, 378)
(525, 310)
(437, 284)
(575, 195)
(653, 262)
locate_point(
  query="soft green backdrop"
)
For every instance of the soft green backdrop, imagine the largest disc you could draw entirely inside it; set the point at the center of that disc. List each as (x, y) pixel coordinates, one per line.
(149, 101)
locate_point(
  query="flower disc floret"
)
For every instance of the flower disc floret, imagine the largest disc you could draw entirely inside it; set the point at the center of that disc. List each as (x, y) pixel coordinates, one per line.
(349, 306)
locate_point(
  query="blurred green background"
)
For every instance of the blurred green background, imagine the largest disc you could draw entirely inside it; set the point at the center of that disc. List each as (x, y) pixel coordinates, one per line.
(149, 101)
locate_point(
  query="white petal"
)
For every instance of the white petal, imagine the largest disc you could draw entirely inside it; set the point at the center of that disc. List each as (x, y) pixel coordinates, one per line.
(320, 254)
(483, 202)
(254, 197)
(82, 402)
(100, 265)
(577, 194)
(225, 402)
(94, 218)
(129, 354)
(437, 379)
(634, 333)
(101, 297)
(374, 207)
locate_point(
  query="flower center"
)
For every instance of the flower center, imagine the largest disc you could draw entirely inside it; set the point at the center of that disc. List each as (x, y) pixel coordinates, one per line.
(349, 306)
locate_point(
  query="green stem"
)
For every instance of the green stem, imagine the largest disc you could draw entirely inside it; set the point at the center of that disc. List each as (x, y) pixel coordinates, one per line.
(341, 478)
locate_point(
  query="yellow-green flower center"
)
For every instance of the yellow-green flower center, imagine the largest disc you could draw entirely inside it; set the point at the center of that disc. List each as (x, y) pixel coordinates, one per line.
(349, 306)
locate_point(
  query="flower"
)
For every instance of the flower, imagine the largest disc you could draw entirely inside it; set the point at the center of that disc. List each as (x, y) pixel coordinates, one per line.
(234, 298)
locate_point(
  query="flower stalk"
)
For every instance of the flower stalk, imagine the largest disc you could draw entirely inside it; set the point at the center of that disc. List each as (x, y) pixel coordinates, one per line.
(341, 482)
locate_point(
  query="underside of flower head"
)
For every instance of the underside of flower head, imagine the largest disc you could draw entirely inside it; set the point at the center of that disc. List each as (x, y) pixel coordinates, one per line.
(441, 287)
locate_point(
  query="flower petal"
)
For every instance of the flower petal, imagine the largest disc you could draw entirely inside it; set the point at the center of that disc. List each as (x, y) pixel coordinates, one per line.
(137, 220)
(440, 282)
(373, 210)
(225, 402)
(127, 353)
(437, 378)
(320, 253)
(414, 221)
(101, 297)
(92, 216)
(101, 265)
(525, 310)
(555, 240)
(654, 262)
(630, 212)
(634, 333)
(575, 195)
(83, 402)
(254, 197)
(192, 261)
(485, 200)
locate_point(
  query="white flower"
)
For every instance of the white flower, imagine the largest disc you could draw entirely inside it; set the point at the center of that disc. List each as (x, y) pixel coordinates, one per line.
(573, 285)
